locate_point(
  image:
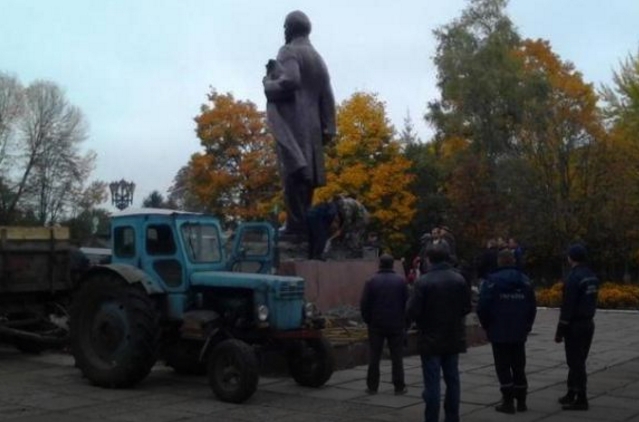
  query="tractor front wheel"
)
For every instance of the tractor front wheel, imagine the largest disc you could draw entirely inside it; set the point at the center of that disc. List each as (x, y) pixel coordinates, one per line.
(233, 371)
(311, 362)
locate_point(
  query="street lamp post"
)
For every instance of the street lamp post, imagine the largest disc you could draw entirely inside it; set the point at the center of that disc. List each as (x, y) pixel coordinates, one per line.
(122, 193)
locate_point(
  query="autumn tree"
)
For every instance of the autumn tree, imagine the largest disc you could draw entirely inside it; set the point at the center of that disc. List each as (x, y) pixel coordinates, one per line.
(235, 177)
(43, 169)
(519, 137)
(561, 141)
(366, 161)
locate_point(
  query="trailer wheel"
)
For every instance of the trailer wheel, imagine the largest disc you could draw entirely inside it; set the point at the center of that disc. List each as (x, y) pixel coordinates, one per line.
(114, 332)
(233, 371)
(311, 362)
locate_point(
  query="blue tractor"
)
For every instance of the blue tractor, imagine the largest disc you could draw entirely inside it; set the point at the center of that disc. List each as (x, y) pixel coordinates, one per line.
(177, 290)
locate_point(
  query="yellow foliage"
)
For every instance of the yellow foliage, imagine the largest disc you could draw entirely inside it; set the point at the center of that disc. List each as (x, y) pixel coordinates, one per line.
(236, 174)
(366, 162)
(611, 296)
(453, 146)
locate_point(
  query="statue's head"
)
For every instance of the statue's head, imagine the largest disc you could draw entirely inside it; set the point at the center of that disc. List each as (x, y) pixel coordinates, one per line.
(296, 25)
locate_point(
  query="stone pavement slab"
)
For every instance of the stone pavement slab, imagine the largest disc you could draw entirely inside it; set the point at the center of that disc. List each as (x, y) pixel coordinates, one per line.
(47, 388)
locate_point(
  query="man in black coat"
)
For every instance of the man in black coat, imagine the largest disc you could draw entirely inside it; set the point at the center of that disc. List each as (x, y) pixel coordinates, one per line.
(439, 304)
(301, 116)
(507, 310)
(383, 307)
(576, 326)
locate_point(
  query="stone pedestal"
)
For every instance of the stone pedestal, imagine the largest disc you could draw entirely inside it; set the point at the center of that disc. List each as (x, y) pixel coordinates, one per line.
(333, 284)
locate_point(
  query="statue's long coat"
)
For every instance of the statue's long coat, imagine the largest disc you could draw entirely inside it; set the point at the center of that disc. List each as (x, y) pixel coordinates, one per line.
(300, 109)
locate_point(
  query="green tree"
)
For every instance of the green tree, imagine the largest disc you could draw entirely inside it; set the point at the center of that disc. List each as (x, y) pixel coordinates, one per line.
(622, 97)
(476, 116)
(478, 78)
(618, 231)
(181, 192)
(156, 200)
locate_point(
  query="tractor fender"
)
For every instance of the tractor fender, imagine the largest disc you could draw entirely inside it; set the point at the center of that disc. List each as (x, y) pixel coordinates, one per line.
(128, 273)
(216, 335)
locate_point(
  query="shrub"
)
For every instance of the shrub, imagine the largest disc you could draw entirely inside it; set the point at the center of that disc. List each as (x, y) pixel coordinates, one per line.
(611, 296)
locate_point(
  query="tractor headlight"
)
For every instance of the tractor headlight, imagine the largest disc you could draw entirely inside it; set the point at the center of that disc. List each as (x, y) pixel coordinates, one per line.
(262, 313)
(310, 310)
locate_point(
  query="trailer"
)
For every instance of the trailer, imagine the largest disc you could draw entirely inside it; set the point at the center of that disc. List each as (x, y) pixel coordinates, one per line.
(38, 271)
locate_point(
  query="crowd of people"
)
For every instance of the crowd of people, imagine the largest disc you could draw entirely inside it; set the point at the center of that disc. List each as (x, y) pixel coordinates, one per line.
(439, 301)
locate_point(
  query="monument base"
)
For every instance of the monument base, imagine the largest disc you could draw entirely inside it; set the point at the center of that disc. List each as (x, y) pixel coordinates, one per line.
(336, 288)
(334, 284)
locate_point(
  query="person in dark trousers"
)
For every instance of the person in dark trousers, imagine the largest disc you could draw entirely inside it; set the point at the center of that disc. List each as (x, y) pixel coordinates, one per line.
(507, 310)
(319, 218)
(576, 326)
(518, 252)
(383, 308)
(487, 261)
(439, 304)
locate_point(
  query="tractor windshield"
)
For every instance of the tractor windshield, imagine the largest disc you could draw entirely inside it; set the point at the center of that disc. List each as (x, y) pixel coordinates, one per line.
(202, 242)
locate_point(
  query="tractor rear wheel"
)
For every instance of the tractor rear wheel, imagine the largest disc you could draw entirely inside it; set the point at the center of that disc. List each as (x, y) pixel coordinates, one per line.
(114, 332)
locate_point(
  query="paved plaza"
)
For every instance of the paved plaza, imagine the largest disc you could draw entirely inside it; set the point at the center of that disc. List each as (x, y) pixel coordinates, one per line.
(47, 388)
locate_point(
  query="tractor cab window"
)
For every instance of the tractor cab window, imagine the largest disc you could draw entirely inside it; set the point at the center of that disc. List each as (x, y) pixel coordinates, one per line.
(159, 240)
(202, 242)
(124, 242)
(255, 242)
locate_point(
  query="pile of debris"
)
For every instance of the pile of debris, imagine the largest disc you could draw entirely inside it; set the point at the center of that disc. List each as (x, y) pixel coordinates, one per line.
(344, 325)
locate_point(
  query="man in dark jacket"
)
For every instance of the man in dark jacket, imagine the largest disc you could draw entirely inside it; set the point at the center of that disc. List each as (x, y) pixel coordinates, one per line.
(439, 304)
(507, 310)
(576, 325)
(383, 308)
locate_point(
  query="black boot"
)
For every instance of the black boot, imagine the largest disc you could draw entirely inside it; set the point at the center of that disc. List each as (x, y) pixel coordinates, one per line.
(520, 396)
(580, 403)
(507, 404)
(568, 398)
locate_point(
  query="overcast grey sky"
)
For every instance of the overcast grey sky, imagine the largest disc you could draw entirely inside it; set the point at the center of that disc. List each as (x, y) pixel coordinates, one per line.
(140, 69)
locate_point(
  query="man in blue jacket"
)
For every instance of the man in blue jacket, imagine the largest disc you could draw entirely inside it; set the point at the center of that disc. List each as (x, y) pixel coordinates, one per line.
(507, 310)
(576, 325)
(383, 307)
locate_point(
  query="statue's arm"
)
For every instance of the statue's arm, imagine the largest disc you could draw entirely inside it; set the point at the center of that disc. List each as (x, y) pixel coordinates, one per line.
(289, 79)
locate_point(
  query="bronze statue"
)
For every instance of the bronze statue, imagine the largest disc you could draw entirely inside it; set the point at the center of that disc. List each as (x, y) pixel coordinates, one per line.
(301, 116)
